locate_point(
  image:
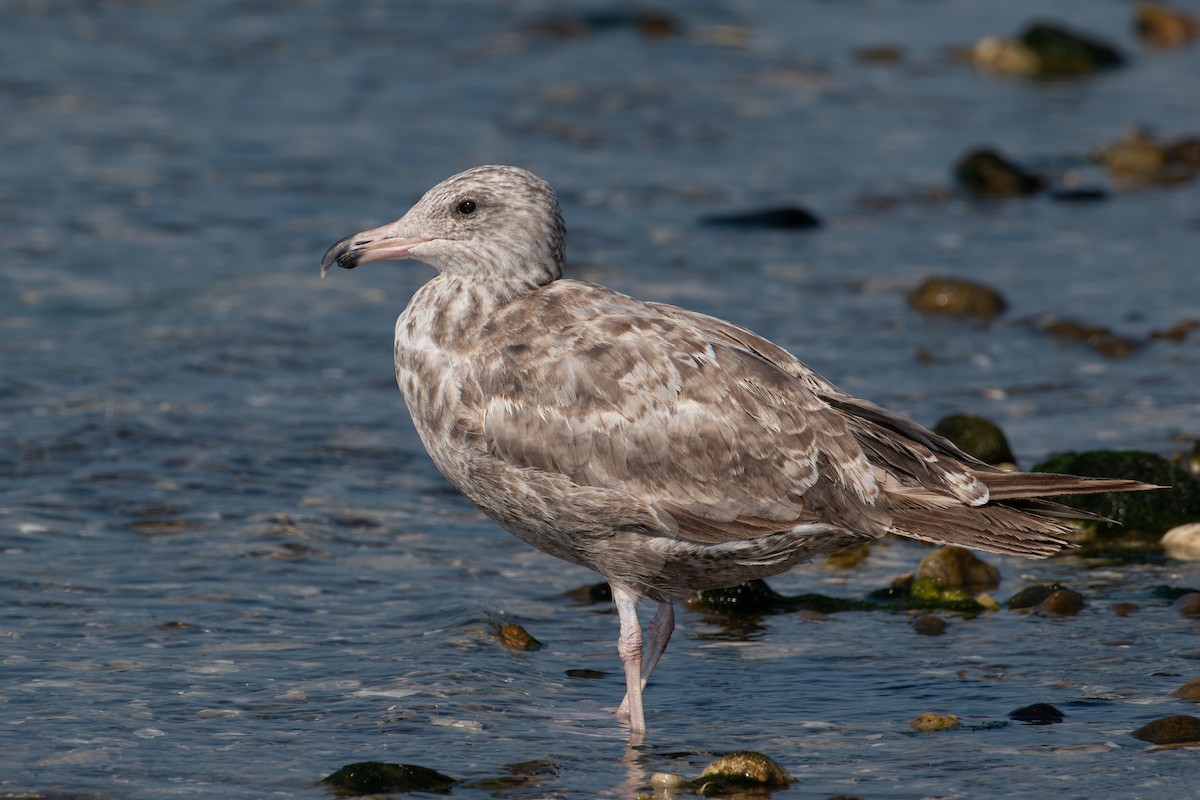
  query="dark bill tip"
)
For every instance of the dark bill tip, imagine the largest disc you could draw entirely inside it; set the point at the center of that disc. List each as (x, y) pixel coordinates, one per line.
(342, 254)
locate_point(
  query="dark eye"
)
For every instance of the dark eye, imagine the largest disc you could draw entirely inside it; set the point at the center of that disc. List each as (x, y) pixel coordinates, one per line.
(466, 207)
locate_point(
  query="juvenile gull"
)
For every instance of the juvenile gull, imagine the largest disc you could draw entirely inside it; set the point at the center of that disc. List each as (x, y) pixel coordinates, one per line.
(667, 450)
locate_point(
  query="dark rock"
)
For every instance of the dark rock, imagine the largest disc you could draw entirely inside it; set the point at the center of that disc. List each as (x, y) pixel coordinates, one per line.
(942, 295)
(1077, 194)
(587, 674)
(1103, 340)
(1189, 691)
(1062, 603)
(880, 54)
(1176, 729)
(756, 597)
(738, 771)
(1032, 596)
(1037, 714)
(591, 594)
(1148, 512)
(930, 625)
(986, 173)
(650, 24)
(1189, 460)
(958, 567)
(1065, 54)
(1126, 609)
(976, 436)
(376, 777)
(516, 638)
(1184, 152)
(1188, 605)
(930, 721)
(785, 218)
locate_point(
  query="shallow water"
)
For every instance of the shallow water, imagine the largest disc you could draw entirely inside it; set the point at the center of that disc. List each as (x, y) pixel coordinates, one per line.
(228, 567)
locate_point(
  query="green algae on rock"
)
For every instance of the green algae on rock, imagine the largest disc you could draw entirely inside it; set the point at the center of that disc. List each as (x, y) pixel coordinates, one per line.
(735, 772)
(1147, 512)
(1175, 729)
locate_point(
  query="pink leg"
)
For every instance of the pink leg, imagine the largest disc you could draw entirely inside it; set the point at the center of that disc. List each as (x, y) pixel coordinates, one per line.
(629, 648)
(658, 634)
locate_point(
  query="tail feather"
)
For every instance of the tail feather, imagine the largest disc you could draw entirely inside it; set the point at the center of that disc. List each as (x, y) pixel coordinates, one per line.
(1021, 485)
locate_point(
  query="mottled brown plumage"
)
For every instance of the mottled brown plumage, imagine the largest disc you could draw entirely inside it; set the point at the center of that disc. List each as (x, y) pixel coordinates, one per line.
(667, 450)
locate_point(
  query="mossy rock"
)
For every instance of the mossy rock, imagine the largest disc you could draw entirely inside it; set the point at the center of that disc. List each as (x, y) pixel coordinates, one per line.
(944, 295)
(1150, 512)
(976, 436)
(377, 777)
(733, 773)
(1062, 53)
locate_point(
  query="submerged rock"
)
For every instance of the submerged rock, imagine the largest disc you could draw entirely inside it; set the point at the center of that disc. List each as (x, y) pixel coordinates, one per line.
(784, 218)
(1032, 596)
(756, 597)
(958, 567)
(1037, 714)
(741, 770)
(930, 721)
(648, 23)
(976, 436)
(1175, 729)
(1151, 512)
(376, 777)
(1103, 340)
(1046, 50)
(1162, 26)
(943, 295)
(986, 173)
(930, 625)
(1139, 159)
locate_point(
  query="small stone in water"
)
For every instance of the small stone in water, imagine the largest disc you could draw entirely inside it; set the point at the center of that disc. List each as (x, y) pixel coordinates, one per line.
(740, 770)
(1189, 691)
(590, 674)
(376, 777)
(929, 721)
(1064, 602)
(1183, 542)
(930, 625)
(1031, 596)
(1037, 714)
(986, 173)
(943, 295)
(667, 780)
(516, 638)
(1125, 609)
(1188, 605)
(1175, 729)
(784, 218)
(977, 436)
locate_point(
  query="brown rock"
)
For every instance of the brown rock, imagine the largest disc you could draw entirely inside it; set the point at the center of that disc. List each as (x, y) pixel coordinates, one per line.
(1176, 729)
(930, 721)
(943, 295)
(741, 770)
(930, 625)
(1189, 691)
(958, 567)
(1063, 603)
(1188, 605)
(516, 638)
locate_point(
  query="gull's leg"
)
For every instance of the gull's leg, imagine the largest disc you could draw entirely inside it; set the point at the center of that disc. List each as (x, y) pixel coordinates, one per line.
(658, 634)
(629, 647)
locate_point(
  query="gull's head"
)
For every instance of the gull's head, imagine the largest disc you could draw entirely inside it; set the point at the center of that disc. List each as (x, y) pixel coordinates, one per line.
(489, 222)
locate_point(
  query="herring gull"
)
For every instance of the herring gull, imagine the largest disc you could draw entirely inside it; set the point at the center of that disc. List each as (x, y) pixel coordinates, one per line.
(667, 450)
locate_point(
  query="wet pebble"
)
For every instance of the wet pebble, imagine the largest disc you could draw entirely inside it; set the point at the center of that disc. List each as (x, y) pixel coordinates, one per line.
(516, 638)
(1063, 53)
(784, 218)
(958, 567)
(650, 24)
(1188, 605)
(376, 777)
(986, 173)
(741, 770)
(930, 721)
(1183, 542)
(1189, 691)
(667, 780)
(944, 295)
(1126, 609)
(977, 436)
(1163, 26)
(1037, 714)
(1032, 596)
(1175, 729)
(586, 674)
(1139, 159)
(1062, 603)
(930, 625)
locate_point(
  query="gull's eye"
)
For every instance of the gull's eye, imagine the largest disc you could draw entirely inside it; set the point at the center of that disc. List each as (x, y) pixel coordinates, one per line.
(466, 207)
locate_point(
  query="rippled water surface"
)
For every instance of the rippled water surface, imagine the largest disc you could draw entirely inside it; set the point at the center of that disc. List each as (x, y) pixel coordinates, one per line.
(229, 568)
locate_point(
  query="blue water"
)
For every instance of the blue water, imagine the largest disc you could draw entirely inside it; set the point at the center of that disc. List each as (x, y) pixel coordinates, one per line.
(228, 568)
